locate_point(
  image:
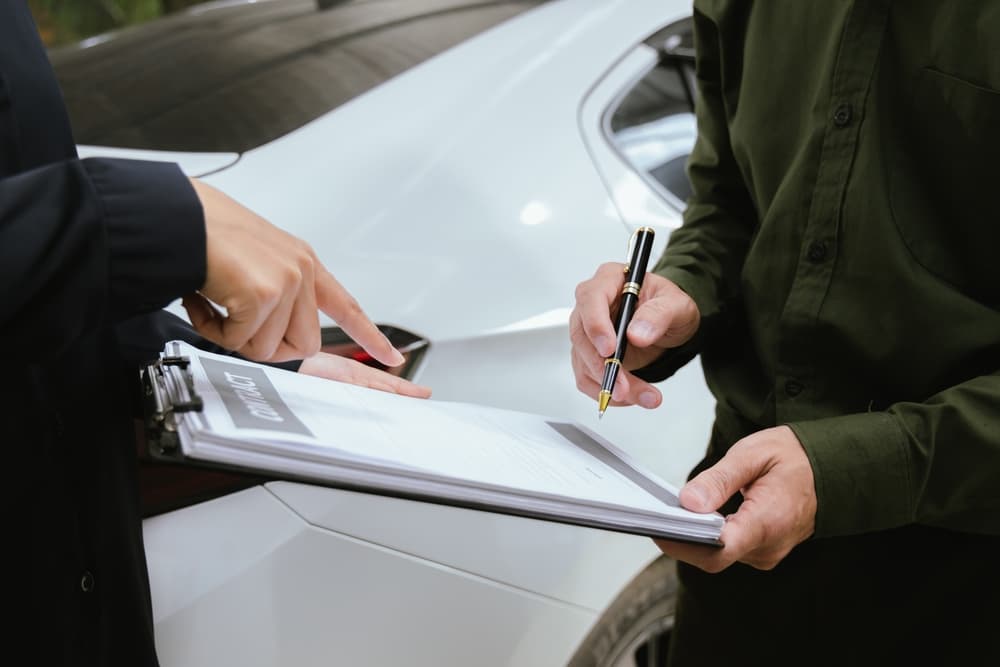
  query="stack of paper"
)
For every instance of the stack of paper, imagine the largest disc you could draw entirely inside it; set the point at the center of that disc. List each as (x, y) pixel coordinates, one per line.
(284, 424)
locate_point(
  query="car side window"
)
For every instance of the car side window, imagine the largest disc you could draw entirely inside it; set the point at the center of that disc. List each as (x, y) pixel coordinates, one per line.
(653, 121)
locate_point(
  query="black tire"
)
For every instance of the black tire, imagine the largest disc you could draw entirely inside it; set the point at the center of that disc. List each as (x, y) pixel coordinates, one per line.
(635, 629)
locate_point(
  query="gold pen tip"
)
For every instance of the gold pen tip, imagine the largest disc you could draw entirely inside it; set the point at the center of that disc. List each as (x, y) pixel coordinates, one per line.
(603, 399)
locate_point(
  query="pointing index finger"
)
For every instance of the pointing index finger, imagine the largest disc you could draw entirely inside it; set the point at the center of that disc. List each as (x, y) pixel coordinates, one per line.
(337, 302)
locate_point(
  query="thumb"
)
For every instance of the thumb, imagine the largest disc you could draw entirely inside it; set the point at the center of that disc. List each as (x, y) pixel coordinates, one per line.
(667, 320)
(713, 487)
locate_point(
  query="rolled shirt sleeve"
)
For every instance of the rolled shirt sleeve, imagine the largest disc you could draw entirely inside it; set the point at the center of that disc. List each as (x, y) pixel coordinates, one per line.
(704, 256)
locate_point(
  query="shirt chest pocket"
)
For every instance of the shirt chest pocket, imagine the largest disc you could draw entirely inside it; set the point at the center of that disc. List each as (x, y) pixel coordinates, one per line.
(944, 181)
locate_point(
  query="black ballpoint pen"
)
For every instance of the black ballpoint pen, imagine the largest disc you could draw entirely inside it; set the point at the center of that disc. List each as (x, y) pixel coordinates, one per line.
(635, 270)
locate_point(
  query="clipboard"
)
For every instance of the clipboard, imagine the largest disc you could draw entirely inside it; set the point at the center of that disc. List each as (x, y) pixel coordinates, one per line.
(221, 412)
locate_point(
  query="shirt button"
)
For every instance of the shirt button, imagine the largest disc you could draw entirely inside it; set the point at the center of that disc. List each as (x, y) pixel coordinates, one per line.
(793, 388)
(816, 252)
(87, 581)
(842, 116)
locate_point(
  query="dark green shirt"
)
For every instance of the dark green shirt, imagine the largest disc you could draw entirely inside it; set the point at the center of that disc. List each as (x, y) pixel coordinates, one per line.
(843, 246)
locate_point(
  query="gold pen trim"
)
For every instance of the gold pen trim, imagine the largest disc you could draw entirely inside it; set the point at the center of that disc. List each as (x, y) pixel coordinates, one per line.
(612, 360)
(603, 399)
(631, 288)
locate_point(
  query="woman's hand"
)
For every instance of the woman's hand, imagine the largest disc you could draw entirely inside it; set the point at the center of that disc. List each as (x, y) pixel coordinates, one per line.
(342, 369)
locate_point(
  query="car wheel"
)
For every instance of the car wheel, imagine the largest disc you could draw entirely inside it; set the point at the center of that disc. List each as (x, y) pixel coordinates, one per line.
(635, 629)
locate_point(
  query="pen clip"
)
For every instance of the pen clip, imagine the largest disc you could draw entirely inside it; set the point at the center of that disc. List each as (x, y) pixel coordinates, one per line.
(630, 248)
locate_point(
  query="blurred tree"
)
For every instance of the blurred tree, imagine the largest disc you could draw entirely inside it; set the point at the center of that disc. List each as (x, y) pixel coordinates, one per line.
(63, 21)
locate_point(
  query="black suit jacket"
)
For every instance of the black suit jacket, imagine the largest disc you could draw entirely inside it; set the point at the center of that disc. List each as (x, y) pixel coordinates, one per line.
(84, 245)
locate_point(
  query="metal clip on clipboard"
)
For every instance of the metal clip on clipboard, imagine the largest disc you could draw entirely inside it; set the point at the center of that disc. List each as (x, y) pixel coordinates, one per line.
(168, 389)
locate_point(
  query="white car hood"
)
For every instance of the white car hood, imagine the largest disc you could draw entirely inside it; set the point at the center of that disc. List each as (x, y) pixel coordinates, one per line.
(464, 179)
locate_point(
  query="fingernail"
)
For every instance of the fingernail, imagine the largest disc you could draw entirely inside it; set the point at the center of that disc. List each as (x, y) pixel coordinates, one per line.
(397, 357)
(604, 345)
(641, 329)
(648, 399)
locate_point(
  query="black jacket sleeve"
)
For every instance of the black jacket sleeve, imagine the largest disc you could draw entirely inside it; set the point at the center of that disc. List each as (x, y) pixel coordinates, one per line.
(88, 243)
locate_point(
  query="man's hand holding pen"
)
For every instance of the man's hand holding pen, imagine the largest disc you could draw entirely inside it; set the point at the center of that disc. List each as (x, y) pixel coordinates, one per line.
(666, 317)
(769, 467)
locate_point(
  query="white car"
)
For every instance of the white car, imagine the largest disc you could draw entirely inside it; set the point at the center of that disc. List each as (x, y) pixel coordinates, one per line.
(460, 166)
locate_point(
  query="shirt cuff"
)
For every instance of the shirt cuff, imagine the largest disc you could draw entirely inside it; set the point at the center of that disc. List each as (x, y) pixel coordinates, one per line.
(674, 359)
(862, 472)
(668, 363)
(155, 229)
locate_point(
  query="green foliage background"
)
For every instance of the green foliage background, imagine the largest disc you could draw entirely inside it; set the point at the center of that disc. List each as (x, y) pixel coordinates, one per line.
(63, 21)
